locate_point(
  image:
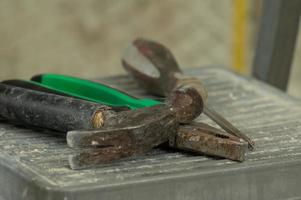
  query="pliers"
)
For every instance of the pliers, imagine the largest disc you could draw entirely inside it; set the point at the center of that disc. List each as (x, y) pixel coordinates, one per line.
(106, 124)
(196, 137)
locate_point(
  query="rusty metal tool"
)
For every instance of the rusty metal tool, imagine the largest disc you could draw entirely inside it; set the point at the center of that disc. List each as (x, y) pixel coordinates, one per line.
(156, 69)
(138, 130)
(209, 141)
(106, 135)
(205, 139)
(196, 137)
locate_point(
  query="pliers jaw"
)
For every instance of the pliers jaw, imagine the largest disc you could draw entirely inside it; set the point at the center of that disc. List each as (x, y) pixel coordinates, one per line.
(200, 137)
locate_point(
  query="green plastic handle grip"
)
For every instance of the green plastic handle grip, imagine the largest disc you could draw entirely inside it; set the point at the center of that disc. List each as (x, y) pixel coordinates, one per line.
(91, 91)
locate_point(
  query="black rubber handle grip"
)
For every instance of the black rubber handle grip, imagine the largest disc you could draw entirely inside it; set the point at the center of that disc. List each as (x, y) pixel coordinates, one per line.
(30, 85)
(47, 110)
(34, 86)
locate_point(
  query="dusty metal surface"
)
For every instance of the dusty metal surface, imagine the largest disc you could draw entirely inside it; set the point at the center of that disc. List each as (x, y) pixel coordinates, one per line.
(35, 163)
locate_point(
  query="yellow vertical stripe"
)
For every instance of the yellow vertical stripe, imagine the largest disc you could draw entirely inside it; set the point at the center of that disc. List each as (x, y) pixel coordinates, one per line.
(239, 35)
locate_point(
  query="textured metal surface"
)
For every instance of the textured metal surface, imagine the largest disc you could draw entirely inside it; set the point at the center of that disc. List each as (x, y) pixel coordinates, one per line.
(35, 162)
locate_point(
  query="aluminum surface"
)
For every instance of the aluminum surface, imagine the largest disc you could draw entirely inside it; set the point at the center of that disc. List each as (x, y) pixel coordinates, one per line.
(35, 163)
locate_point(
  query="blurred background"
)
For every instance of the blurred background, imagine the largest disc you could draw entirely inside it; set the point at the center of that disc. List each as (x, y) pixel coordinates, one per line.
(86, 38)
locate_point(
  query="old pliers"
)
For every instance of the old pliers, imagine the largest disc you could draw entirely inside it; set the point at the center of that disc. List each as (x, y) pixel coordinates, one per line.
(102, 133)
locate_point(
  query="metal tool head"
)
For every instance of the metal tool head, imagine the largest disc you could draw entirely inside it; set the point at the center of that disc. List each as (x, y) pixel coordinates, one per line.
(155, 68)
(133, 132)
(87, 158)
(126, 134)
(141, 127)
(187, 103)
(200, 137)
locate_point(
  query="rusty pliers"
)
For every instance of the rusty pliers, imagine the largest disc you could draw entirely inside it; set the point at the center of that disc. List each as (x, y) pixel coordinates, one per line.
(98, 132)
(110, 130)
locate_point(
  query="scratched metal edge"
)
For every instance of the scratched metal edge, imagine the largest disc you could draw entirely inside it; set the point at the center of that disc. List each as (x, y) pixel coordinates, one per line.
(109, 191)
(41, 187)
(229, 168)
(53, 188)
(25, 176)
